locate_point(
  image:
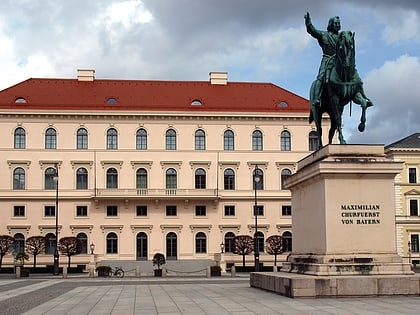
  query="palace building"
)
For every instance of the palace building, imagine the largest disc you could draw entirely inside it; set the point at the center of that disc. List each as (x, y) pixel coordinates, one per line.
(407, 196)
(136, 167)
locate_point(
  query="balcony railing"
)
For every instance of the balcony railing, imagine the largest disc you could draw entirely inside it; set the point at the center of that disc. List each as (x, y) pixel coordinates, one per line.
(151, 193)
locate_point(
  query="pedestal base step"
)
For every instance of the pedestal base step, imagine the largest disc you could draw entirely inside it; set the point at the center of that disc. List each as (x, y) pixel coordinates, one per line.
(297, 285)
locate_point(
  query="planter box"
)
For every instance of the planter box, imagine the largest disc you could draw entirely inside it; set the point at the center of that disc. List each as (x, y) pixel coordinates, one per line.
(158, 272)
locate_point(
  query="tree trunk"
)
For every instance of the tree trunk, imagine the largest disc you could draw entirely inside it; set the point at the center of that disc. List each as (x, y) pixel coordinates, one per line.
(34, 261)
(243, 260)
(69, 262)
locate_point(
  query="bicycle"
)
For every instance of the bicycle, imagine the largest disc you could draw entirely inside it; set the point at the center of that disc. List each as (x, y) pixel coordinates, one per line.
(117, 272)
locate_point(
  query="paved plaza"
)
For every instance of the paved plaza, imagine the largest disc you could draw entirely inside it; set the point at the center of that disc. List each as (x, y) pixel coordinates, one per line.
(82, 295)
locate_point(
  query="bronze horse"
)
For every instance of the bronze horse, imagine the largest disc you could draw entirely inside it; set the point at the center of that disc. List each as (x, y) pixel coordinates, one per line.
(343, 86)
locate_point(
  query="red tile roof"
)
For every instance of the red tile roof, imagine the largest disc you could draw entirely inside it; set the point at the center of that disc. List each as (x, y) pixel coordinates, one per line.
(140, 95)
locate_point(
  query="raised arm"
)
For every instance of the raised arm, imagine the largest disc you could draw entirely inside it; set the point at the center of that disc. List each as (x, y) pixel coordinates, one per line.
(310, 28)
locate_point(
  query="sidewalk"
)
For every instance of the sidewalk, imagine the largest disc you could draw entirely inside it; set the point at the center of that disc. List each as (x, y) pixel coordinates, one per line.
(177, 295)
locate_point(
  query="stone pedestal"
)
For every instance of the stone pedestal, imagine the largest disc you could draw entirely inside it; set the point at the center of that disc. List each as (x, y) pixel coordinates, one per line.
(343, 221)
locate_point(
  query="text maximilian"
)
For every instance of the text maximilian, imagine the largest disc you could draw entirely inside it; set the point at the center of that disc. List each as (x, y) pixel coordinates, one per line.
(359, 207)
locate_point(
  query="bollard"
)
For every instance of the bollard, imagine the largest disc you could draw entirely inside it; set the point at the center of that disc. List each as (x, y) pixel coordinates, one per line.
(18, 272)
(274, 268)
(208, 272)
(233, 271)
(64, 272)
(138, 271)
(91, 272)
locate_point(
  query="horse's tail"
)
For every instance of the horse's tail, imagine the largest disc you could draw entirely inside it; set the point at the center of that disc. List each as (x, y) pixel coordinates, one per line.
(311, 117)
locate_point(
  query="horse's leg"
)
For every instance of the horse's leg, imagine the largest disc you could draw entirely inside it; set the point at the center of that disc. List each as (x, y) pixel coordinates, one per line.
(339, 125)
(359, 99)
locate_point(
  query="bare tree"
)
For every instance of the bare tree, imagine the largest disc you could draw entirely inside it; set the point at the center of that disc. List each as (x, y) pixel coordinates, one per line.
(6, 242)
(70, 246)
(243, 245)
(275, 246)
(35, 245)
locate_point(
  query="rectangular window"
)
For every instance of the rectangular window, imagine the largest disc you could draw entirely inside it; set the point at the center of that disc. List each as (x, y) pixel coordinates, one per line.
(141, 211)
(414, 207)
(229, 211)
(170, 211)
(258, 210)
(412, 175)
(81, 211)
(200, 211)
(414, 243)
(49, 211)
(18, 211)
(286, 210)
(111, 211)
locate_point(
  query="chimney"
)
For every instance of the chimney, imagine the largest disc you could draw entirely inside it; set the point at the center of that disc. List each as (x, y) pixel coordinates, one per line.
(218, 77)
(85, 75)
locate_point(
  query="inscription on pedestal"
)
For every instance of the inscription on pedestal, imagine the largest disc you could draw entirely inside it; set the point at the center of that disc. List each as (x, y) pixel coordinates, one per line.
(360, 214)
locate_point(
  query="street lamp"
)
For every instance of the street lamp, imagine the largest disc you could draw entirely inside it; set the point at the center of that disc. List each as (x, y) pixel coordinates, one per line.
(222, 248)
(56, 255)
(409, 252)
(257, 179)
(92, 248)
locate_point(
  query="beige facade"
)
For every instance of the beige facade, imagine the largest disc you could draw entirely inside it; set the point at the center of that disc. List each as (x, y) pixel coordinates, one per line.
(407, 195)
(134, 183)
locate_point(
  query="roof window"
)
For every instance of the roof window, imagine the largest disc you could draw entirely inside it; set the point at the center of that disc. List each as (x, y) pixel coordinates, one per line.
(196, 102)
(111, 100)
(20, 100)
(283, 104)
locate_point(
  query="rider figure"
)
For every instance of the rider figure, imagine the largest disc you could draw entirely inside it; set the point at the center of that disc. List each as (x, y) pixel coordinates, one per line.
(328, 41)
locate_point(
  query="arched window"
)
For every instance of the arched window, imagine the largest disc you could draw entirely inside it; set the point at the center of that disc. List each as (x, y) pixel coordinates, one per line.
(83, 238)
(111, 178)
(170, 139)
(141, 139)
(284, 174)
(112, 243)
(18, 178)
(112, 139)
(200, 140)
(49, 182)
(285, 141)
(228, 141)
(82, 139)
(313, 141)
(260, 242)
(19, 243)
(200, 178)
(171, 178)
(141, 178)
(200, 243)
(257, 141)
(50, 138)
(20, 138)
(49, 244)
(81, 178)
(229, 244)
(287, 236)
(229, 179)
(258, 184)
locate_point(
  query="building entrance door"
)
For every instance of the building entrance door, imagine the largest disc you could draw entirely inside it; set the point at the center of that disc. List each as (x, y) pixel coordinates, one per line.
(141, 246)
(171, 246)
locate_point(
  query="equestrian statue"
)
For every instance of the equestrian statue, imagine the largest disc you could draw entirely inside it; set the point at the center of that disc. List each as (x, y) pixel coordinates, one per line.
(338, 82)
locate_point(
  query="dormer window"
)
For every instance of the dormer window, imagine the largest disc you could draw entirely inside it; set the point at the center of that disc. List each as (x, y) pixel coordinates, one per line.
(111, 100)
(20, 100)
(196, 102)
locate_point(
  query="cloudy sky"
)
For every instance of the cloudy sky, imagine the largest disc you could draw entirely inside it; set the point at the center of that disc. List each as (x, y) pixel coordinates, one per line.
(253, 40)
